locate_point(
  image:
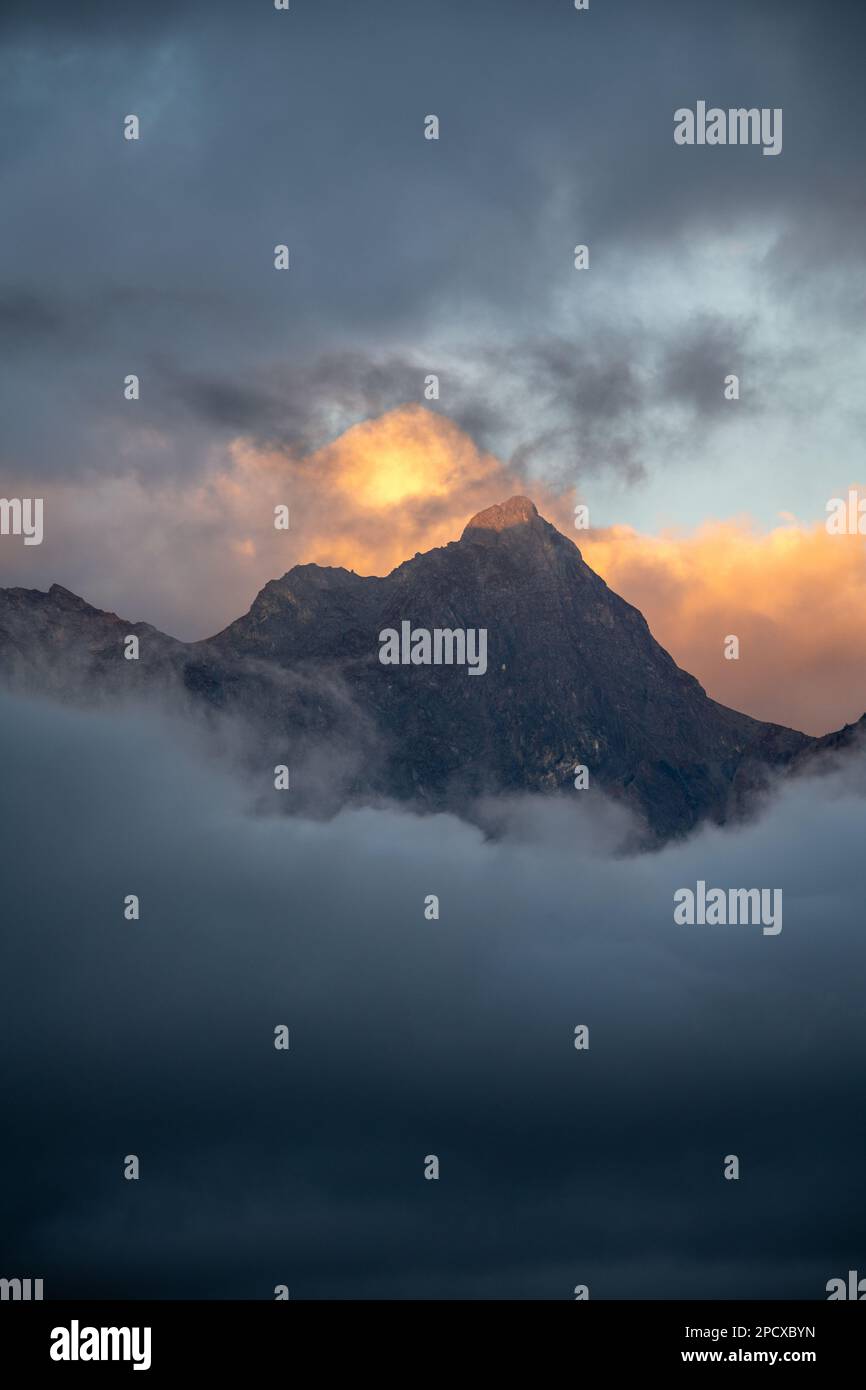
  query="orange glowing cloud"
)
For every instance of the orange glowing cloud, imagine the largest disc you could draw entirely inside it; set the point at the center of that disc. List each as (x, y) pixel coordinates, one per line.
(383, 490)
(409, 480)
(795, 598)
(190, 555)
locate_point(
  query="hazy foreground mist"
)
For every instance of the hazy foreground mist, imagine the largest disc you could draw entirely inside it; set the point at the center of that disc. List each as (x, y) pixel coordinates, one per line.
(411, 1037)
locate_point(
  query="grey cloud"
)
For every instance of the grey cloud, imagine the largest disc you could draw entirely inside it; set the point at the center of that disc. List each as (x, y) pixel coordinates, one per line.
(600, 401)
(161, 253)
(90, 19)
(411, 1038)
(303, 404)
(693, 368)
(27, 315)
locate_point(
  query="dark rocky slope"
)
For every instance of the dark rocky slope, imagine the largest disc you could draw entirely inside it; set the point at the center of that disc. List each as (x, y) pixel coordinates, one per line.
(573, 676)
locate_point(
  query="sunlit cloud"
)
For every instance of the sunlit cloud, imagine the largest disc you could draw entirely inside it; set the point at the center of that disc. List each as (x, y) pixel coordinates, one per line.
(795, 597)
(189, 555)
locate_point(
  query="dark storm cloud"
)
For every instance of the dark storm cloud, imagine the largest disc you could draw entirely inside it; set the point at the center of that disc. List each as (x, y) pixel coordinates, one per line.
(410, 1038)
(92, 21)
(694, 367)
(599, 399)
(592, 396)
(302, 406)
(305, 127)
(25, 315)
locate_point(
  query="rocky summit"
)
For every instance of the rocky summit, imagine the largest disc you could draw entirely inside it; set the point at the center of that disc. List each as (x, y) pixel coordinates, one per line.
(572, 678)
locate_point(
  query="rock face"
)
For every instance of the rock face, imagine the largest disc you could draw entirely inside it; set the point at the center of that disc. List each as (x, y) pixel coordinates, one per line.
(573, 676)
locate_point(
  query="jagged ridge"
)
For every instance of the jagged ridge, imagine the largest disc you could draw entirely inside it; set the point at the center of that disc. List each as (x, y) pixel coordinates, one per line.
(574, 676)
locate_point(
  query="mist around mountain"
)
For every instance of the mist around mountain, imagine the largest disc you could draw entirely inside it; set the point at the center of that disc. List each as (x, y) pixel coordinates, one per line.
(412, 1035)
(573, 679)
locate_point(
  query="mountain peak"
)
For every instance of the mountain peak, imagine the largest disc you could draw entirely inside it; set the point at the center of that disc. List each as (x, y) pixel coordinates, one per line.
(515, 512)
(65, 598)
(573, 678)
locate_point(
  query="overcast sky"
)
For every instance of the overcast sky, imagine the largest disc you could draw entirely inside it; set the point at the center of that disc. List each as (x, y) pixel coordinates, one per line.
(306, 127)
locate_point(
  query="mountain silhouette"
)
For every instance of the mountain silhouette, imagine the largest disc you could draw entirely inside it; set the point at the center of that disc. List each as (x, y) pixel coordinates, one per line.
(573, 678)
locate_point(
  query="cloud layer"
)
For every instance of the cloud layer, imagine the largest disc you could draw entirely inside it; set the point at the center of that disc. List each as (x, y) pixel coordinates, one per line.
(411, 1037)
(456, 256)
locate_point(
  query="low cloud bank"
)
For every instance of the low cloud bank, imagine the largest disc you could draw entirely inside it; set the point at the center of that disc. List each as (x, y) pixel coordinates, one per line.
(412, 1037)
